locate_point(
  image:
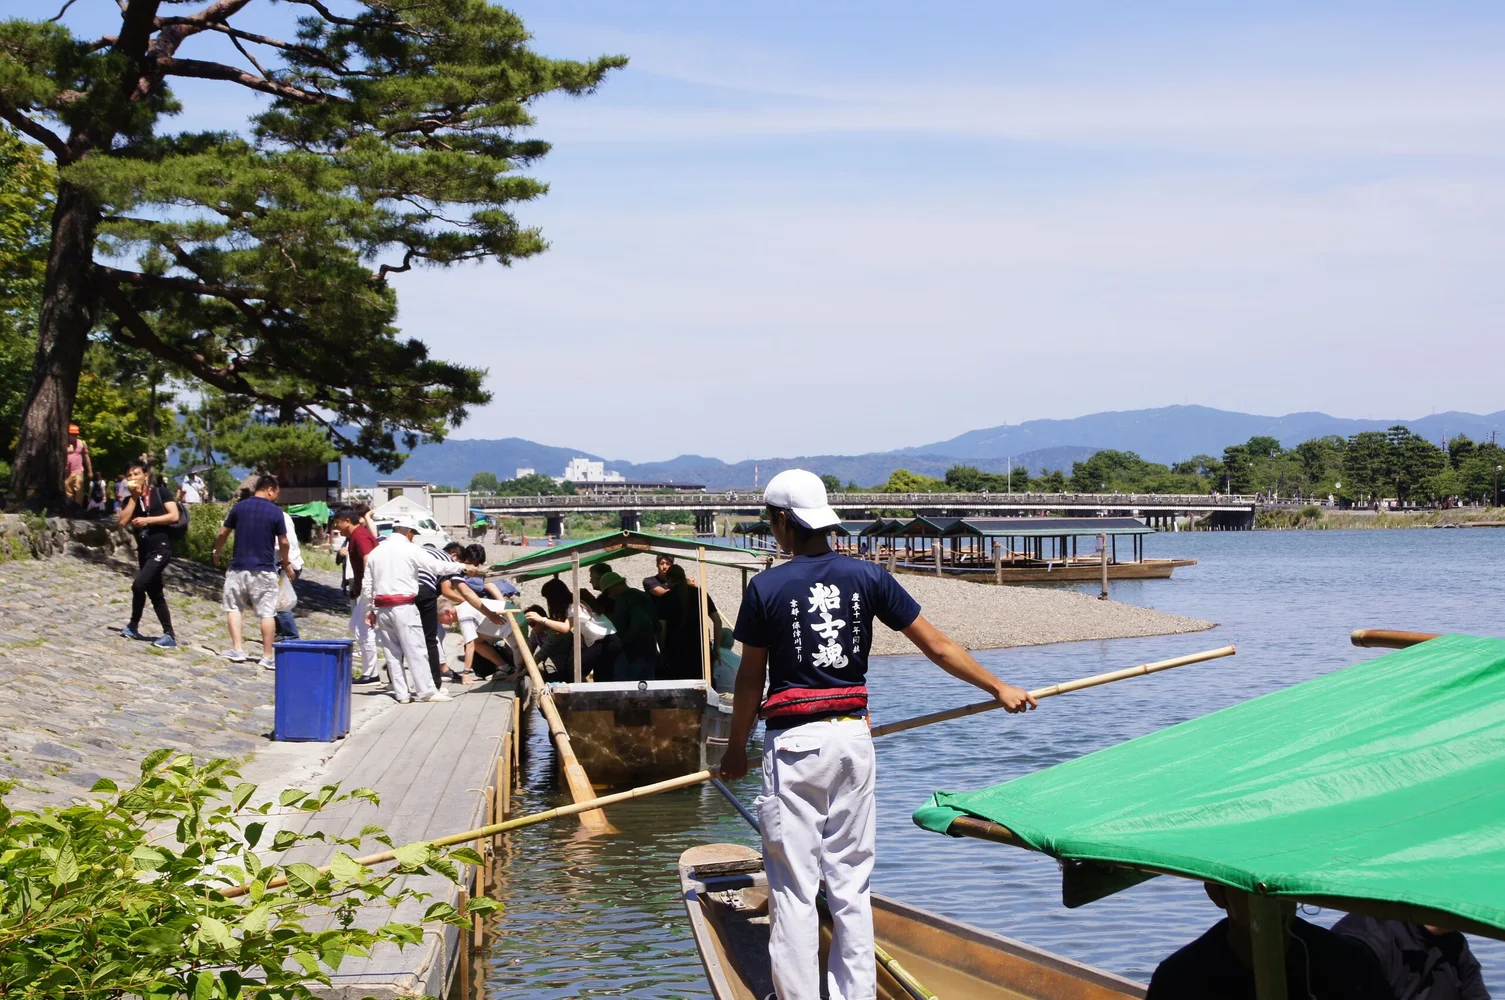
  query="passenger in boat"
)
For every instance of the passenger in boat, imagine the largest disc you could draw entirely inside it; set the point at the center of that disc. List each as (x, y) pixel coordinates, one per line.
(637, 628)
(1422, 961)
(807, 625)
(682, 630)
(556, 653)
(595, 628)
(488, 643)
(658, 584)
(597, 571)
(1219, 964)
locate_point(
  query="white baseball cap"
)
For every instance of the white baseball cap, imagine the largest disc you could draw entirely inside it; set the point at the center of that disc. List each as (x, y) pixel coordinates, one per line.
(804, 496)
(404, 522)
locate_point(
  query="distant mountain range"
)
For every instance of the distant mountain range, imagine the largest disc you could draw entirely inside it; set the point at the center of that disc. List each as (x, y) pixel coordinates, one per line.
(1167, 435)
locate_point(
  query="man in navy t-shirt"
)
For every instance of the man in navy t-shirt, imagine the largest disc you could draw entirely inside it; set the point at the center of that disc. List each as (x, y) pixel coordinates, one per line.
(251, 584)
(807, 625)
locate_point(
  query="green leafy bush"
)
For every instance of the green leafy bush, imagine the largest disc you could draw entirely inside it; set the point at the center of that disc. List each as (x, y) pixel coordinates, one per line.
(204, 521)
(95, 906)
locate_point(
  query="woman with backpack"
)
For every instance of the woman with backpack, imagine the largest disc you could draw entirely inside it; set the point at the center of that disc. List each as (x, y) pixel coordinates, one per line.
(155, 516)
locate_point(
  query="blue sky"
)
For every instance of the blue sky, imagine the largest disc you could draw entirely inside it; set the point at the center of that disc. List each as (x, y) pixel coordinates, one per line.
(803, 228)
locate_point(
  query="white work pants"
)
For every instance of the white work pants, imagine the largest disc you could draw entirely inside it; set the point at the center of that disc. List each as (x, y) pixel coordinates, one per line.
(402, 638)
(365, 635)
(817, 818)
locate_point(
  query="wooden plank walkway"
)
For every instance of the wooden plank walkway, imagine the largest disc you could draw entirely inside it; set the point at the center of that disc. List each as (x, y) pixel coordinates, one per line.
(431, 765)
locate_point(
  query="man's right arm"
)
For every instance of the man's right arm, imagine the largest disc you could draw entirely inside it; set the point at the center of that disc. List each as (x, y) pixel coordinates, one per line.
(219, 542)
(945, 653)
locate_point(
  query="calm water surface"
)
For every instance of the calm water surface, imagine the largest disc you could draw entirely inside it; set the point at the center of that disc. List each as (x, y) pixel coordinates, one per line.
(601, 917)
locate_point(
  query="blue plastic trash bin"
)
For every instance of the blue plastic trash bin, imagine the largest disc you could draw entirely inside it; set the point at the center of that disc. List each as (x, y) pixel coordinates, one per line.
(346, 648)
(313, 690)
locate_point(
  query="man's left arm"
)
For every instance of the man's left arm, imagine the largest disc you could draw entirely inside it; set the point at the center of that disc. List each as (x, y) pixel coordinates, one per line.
(284, 557)
(88, 461)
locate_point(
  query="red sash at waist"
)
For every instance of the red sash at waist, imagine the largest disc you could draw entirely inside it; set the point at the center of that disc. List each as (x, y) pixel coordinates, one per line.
(393, 600)
(814, 701)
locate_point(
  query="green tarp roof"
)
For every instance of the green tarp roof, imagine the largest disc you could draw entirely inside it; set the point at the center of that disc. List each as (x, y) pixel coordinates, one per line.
(619, 545)
(318, 510)
(1383, 783)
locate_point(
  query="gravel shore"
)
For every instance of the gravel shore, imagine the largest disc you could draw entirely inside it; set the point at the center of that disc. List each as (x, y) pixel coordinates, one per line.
(979, 616)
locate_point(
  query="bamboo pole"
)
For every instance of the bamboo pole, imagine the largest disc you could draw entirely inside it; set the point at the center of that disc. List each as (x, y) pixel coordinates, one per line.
(1055, 689)
(558, 812)
(579, 613)
(1384, 638)
(1267, 934)
(1102, 544)
(574, 775)
(687, 780)
(705, 621)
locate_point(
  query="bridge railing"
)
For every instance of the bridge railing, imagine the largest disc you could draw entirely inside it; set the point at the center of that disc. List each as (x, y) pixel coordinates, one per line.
(866, 501)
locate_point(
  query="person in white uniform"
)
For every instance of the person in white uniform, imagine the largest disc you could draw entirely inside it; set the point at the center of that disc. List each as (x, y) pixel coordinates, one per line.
(393, 570)
(807, 626)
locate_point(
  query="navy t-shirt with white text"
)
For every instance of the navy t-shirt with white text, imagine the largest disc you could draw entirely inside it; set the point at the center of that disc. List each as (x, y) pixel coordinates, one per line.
(258, 524)
(814, 615)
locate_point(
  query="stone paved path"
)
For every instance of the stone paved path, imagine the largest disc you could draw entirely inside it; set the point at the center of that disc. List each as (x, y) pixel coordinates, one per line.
(77, 702)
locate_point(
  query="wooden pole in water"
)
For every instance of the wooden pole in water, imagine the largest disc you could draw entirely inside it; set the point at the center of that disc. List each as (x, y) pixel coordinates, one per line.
(936, 546)
(1102, 545)
(705, 621)
(574, 775)
(579, 613)
(997, 562)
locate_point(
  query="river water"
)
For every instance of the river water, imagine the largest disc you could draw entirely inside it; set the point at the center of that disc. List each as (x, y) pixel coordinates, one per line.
(601, 917)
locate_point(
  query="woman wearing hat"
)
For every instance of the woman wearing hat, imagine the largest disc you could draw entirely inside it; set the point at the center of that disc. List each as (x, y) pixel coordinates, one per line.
(807, 624)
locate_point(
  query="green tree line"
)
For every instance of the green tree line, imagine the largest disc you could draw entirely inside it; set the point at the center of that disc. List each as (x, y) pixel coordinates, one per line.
(1361, 469)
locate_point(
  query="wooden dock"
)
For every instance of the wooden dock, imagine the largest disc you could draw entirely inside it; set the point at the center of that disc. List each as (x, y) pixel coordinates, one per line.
(436, 769)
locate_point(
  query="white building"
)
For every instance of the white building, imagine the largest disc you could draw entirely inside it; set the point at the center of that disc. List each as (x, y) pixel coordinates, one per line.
(583, 470)
(524, 472)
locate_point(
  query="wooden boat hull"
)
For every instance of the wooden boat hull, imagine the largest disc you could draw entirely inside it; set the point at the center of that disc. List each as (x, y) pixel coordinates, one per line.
(727, 906)
(626, 732)
(1149, 569)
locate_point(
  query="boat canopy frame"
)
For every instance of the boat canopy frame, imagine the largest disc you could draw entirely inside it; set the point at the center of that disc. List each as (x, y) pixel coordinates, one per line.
(620, 544)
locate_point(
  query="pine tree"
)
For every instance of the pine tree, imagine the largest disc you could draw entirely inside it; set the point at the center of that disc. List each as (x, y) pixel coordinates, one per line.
(392, 139)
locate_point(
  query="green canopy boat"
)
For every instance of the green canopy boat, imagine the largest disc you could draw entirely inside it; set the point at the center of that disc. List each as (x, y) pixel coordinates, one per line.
(1377, 789)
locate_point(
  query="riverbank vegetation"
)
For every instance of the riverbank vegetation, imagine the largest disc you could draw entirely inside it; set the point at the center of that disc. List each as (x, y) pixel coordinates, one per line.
(96, 904)
(1327, 519)
(1358, 470)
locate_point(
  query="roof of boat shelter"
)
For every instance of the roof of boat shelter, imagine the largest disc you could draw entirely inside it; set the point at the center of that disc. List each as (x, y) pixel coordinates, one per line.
(1048, 527)
(1376, 789)
(853, 528)
(928, 527)
(558, 559)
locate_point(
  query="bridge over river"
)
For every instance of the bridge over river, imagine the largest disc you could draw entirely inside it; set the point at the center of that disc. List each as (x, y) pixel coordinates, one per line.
(1230, 512)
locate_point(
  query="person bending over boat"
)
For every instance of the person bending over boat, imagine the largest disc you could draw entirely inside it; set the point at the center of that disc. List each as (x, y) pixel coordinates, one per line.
(1219, 965)
(807, 625)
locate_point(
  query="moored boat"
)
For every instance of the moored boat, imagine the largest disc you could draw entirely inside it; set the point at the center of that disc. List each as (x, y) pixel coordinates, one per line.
(726, 897)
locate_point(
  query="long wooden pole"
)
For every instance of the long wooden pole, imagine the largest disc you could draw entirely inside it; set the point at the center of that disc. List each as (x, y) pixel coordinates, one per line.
(1055, 689)
(685, 781)
(558, 812)
(1384, 638)
(705, 621)
(1267, 935)
(574, 775)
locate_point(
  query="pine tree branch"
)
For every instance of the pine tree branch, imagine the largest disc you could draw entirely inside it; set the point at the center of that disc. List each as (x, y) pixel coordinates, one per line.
(205, 70)
(59, 15)
(135, 331)
(169, 283)
(308, 52)
(54, 142)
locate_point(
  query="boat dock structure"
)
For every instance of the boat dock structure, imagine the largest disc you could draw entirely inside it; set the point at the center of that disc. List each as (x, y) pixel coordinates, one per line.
(437, 769)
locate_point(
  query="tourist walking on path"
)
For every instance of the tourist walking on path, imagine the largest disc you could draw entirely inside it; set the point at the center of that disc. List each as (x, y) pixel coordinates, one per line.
(80, 467)
(261, 546)
(359, 543)
(808, 625)
(152, 513)
(393, 572)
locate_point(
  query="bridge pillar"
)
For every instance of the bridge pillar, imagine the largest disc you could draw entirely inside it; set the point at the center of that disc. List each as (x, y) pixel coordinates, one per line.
(632, 521)
(705, 522)
(554, 525)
